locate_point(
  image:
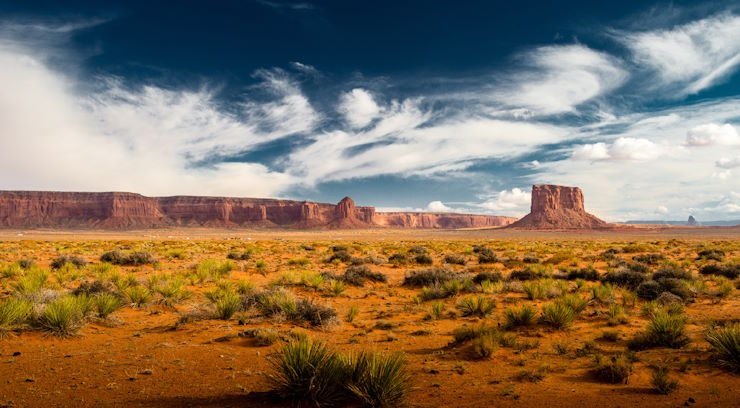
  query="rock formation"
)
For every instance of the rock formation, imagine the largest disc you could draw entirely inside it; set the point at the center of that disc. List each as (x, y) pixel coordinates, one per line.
(558, 207)
(692, 221)
(39, 209)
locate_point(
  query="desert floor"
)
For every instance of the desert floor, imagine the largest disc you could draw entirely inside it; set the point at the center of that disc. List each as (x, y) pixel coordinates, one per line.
(172, 351)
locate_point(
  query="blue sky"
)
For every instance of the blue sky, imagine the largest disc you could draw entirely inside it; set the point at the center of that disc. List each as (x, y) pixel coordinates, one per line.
(403, 105)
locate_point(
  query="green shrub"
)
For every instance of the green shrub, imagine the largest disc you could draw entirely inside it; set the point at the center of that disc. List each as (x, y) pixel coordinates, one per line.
(490, 276)
(625, 278)
(486, 255)
(557, 315)
(336, 287)
(214, 268)
(128, 259)
(728, 271)
(74, 260)
(479, 306)
(534, 290)
(106, 303)
(356, 275)
(574, 302)
(398, 259)
(725, 342)
(615, 315)
(428, 277)
(31, 282)
(524, 316)
(437, 309)
(227, 304)
(455, 259)
(423, 259)
(352, 313)
(589, 274)
(62, 317)
(711, 254)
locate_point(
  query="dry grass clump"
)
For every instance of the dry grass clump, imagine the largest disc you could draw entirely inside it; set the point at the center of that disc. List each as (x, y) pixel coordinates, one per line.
(557, 315)
(665, 329)
(480, 306)
(282, 303)
(135, 258)
(525, 315)
(74, 260)
(429, 277)
(357, 275)
(725, 342)
(615, 369)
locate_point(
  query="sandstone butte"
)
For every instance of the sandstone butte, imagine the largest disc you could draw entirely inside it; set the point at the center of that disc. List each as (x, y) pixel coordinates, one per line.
(558, 207)
(118, 210)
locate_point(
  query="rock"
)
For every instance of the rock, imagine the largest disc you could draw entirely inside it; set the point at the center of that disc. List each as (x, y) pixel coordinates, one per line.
(117, 210)
(558, 207)
(692, 220)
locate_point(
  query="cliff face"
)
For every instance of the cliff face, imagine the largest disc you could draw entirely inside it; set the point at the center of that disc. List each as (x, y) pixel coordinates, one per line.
(38, 209)
(558, 207)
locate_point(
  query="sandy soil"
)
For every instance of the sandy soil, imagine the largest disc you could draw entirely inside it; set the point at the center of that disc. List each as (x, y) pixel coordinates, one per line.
(143, 357)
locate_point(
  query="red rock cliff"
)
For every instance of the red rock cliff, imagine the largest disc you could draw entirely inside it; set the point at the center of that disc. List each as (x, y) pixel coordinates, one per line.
(38, 209)
(558, 207)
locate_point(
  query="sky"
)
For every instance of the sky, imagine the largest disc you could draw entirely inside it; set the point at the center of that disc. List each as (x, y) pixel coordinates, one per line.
(414, 105)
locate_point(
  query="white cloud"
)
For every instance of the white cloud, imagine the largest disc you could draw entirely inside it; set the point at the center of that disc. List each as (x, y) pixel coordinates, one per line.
(358, 107)
(560, 78)
(728, 163)
(438, 206)
(661, 209)
(691, 57)
(624, 148)
(509, 202)
(712, 134)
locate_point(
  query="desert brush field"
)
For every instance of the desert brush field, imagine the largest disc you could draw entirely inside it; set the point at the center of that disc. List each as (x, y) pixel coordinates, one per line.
(370, 319)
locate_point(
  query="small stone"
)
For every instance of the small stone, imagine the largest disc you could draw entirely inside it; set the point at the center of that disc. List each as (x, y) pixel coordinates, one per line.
(30, 380)
(16, 354)
(692, 400)
(146, 372)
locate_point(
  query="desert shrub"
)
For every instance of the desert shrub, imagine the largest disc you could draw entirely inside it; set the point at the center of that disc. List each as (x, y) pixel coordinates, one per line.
(106, 303)
(31, 282)
(14, 311)
(484, 346)
(602, 293)
(299, 262)
(480, 306)
(213, 268)
(74, 260)
(728, 271)
(368, 260)
(63, 316)
(610, 253)
(467, 333)
(447, 289)
(128, 259)
(340, 255)
(92, 288)
(589, 274)
(398, 259)
(490, 276)
(356, 275)
(11, 270)
(338, 248)
(534, 290)
(557, 315)
(423, 259)
(633, 248)
(455, 259)
(660, 380)
(417, 250)
(306, 371)
(428, 277)
(615, 315)
(26, 263)
(711, 254)
(523, 316)
(262, 337)
(664, 330)
(614, 370)
(650, 259)
(352, 313)
(377, 379)
(486, 255)
(574, 302)
(531, 259)
(281, 302)
(137, 295)
(531, 272)
(649, 290)
(239, 256)
(671, 272)
(560, 257)
(436, 310)
(725, 342)
(336, 287)
(625, 278)
(226, 301)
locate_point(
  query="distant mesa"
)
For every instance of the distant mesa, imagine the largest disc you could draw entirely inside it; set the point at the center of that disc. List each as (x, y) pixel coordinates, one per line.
(119, 210)
(558, 208)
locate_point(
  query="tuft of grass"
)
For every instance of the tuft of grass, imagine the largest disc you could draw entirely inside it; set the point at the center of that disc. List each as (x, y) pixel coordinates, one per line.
(614, 370)
(664, 330)
(137, 295)
(725, 342)
(557, 315)
(227, 303)
(336, 287)
(306, 371)
(352, 313)
(377, 379)
(62, 317)
(615, 315)
(660, 380)
(128, 259)
(436, 311)
(13, 312)
(484, 346)
(106, 303)
(534, 290)
(479, 306)
(31, 282)
(574, 302)
(524, 316)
